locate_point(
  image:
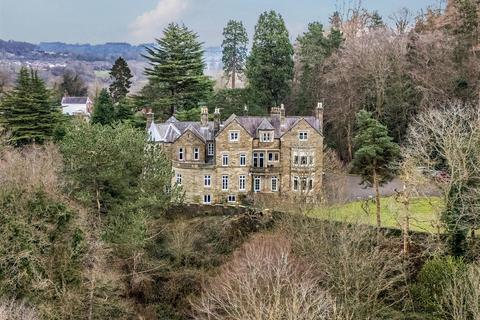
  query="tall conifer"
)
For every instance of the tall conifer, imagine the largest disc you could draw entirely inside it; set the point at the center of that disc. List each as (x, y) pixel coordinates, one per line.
(270, 64)
(176, 71)
(120, 75)
(26, 111)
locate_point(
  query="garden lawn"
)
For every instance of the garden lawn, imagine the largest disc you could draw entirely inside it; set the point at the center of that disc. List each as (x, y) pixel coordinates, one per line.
(424, 213)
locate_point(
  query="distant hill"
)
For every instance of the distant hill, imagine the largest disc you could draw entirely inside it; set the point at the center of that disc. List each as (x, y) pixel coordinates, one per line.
(88, 52)
(98, 52)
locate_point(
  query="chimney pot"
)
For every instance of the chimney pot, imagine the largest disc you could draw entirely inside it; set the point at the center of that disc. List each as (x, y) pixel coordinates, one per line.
(204, 117)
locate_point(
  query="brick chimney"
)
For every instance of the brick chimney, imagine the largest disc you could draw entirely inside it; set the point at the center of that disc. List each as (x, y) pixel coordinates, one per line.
(204, 117)
(149, 115)
(319, 114)
(216, 120)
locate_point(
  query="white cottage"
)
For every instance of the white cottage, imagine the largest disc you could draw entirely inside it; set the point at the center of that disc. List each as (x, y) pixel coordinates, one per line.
(77, 106)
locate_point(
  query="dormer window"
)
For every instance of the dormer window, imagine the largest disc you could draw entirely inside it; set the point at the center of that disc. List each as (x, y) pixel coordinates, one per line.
(233, 136)
(266, 136)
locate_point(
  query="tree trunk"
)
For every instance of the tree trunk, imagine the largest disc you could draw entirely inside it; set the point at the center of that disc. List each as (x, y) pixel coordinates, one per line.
(98, 202)
(376, 184)
(406, 240)
(233, 78)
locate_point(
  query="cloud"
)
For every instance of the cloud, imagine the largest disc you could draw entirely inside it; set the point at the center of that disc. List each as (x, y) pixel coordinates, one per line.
(150, 24)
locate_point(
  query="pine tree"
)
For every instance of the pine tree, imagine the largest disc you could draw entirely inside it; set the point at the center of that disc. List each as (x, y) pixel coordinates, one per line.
(103, 109)
(376, 21)
(120, 75)
(234, 47)
(26, 111)
(270, 64)
(123, 110)
(176, 71)
(375, 154)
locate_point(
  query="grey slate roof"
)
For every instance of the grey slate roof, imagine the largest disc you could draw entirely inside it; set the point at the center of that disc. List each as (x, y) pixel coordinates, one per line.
(172, 129)
(74, 100)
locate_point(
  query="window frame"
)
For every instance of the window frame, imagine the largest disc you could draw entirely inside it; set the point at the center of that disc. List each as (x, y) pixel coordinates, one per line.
(303, 135)
(209, 199)
(244, 157)
(225, 157)
(242, 182)
(178, 178)
(181, 154)
(237, 135)
(231, 198)
(224, 182)
(206, 178)
(210, 149)
(274, 178)
(196, 153)
(255, 179)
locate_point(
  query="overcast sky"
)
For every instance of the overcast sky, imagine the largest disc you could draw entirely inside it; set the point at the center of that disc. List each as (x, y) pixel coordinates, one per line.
(140, 21)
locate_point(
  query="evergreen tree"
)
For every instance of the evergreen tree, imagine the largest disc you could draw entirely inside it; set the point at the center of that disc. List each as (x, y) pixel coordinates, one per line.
(26, 112)
(270, 64)
(176, 71)
(123, 110)
(314, 48)
(120, 75)
(375, 154)
(234, 51)
(103, 109)
(376, 21)
(72, 85)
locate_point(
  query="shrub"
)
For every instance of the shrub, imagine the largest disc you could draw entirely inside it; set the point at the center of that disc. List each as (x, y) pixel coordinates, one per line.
(432, 279)
(264, 281)
(13, 310)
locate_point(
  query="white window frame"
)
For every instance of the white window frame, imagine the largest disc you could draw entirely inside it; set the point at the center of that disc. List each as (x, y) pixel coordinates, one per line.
(225, 183)
(207, 199)
(231, 198)
(303, 136)
(178, 179)
(243, 157)
(234, 136)
(225, 160)
(181, 154)
(255, 180)
(207, 181)
(242, 183)
(266, 136)
(274, 187)
(210, 149)
(196, 153)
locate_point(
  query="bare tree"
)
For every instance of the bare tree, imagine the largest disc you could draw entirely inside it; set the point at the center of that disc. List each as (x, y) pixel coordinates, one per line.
(402, 19)
(364, 277)
(264, 281)
(461, 296)
(14, 310)
(445, 143)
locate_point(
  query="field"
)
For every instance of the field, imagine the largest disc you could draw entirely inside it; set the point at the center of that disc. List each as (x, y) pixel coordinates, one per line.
(424, 213)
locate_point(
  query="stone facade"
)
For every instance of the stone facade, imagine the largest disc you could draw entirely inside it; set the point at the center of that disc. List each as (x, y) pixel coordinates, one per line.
(218, 162)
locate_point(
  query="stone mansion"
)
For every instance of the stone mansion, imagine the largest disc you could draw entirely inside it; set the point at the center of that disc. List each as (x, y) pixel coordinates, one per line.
(244, 156)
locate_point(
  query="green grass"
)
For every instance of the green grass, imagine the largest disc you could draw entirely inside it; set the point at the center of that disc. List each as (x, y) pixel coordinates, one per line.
(424, 213)
(102, 74)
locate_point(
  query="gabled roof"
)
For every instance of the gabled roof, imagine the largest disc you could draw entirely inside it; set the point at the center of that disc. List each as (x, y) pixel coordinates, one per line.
(75, 100)
(265, 125)
(172, 129)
